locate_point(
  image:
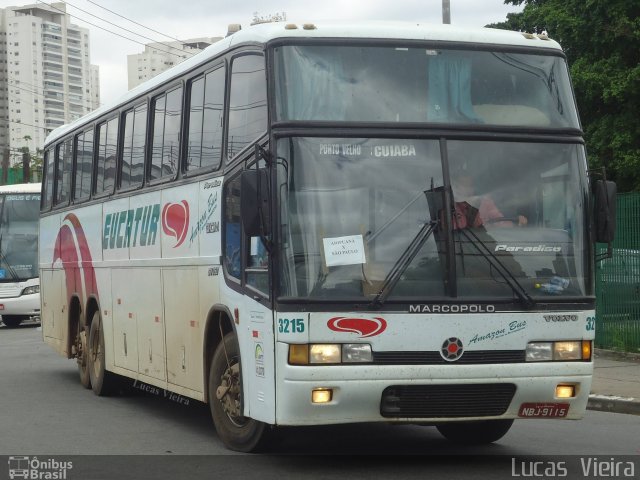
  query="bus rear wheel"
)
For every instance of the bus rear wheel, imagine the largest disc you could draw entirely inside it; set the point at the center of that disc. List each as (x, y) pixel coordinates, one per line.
(236, 431)
(82, 357)
(103, 383)
(12, 321)
(475, 433)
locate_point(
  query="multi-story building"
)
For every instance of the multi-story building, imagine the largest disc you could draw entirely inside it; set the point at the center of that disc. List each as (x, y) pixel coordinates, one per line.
(158, 57)
(48, 79)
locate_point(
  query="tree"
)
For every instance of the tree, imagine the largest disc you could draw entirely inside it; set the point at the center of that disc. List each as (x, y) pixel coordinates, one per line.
(600, 39)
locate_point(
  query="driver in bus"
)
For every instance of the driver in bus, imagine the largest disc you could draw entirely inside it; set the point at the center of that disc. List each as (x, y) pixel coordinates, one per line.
(473, 210)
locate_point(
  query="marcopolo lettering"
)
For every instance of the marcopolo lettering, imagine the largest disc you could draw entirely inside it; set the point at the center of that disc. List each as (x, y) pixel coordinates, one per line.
(130, 228)
(517, 248)
(470, 308)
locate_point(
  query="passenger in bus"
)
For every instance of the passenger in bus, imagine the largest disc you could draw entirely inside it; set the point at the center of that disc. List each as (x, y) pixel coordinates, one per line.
(473, 210)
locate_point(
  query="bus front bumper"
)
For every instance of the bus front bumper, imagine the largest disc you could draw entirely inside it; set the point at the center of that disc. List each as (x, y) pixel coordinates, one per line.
(27, 305)
(364, 393)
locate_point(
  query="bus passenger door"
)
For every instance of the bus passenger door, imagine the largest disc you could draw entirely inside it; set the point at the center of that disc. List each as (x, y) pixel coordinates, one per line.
(246, 267)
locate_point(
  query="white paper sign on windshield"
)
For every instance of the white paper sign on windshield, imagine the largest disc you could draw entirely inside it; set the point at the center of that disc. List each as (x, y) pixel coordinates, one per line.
(347, 250)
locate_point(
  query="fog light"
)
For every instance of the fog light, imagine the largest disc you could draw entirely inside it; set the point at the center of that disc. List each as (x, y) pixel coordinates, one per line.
(324, 353)
(565, 391)
(321, 395)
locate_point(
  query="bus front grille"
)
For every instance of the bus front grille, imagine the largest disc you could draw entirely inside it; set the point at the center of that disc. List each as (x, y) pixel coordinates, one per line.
(473, 357)
(446, 401)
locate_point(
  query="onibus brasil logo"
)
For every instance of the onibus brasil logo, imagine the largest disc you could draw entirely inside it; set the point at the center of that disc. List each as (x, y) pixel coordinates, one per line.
(40, 469)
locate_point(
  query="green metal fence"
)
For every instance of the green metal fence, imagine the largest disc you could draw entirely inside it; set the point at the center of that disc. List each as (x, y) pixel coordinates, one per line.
(16, 175)
(618, 282)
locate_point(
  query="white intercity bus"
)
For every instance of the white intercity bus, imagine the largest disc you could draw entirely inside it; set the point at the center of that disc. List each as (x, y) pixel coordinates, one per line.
(19, 283)
(312, 224)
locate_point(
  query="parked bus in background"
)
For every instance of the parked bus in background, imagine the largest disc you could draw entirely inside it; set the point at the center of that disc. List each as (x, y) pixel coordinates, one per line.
(275, 227)
(19, 283)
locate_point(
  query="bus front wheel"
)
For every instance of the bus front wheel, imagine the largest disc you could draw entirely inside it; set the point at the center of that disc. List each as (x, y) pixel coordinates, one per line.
(236, 431)
(12, 321)
(475, 433)
(102, 382)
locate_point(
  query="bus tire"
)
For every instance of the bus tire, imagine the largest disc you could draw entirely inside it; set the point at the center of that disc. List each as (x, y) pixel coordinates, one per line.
(12, 321)
(475, 433)
(82, 356)
(236, 431)
(103, 383)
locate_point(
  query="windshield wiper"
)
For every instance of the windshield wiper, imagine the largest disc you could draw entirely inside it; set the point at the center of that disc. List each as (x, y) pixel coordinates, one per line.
(403, 262)
(495, 262)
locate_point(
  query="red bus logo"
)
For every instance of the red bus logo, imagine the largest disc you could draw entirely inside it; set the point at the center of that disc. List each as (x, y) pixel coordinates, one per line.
(366, 327)
(175, 221)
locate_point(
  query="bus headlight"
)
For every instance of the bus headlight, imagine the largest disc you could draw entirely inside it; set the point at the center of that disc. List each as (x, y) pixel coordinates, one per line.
(558, 351)
(324, 353)
(356, 353)
(329, 353)
(31, 290)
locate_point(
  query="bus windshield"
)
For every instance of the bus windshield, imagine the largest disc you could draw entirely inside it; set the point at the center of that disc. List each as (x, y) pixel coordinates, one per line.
(409, 84)
(19, 214)
(350, 208)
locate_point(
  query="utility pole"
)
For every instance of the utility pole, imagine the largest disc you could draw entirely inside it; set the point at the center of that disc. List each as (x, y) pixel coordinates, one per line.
(446, 12)
(26, 161)
(5, 166)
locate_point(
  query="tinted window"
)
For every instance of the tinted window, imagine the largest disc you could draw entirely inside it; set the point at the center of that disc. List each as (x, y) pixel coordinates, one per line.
(205, 121)
(47, 187)
(84, 161)
(396, 84)
(63, 175)
(166, 135)
(107, 147)
(247, 103)
(232, 228)
(135, 129)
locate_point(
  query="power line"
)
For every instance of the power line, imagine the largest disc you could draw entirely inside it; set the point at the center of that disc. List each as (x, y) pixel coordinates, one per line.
(118, 26)
(105, 29)
(133, 21)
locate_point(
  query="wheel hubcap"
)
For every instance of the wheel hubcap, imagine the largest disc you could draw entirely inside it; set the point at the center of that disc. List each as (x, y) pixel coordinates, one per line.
(228, 393)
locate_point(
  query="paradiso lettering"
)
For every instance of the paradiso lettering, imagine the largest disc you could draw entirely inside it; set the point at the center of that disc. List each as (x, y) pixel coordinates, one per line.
(130, 228)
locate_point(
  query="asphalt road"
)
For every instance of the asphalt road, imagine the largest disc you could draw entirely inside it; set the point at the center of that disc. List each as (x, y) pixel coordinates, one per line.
(45, 411)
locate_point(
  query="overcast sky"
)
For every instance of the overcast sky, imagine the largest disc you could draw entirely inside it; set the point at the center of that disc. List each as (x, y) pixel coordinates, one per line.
(209, 18)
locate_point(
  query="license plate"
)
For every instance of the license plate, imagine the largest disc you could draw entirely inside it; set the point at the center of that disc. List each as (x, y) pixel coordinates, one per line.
(544, 410)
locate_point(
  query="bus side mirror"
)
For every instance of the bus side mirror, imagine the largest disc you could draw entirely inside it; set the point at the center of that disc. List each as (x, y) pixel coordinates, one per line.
(254, 202)
(605, 211)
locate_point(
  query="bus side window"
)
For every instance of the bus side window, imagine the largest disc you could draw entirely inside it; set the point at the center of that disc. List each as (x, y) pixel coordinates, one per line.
(47, 190)
(64, 156)
(247, 103)
(204, 136)
(135, 130)
(84, 164)
(107, 147)
(165, 146)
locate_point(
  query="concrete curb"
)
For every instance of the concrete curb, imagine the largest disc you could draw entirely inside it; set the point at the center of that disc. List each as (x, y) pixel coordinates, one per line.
(615, 355)
(614, 404)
